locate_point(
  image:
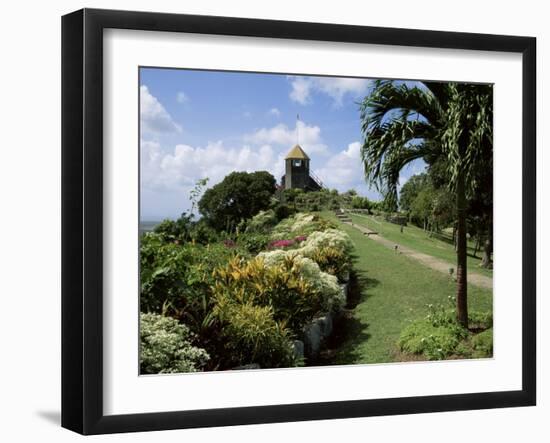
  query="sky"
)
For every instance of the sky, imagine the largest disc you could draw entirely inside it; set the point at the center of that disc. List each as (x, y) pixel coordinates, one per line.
(196, 124)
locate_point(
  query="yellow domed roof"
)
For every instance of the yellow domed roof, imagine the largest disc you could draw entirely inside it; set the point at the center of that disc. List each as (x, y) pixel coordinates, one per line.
(297, 153)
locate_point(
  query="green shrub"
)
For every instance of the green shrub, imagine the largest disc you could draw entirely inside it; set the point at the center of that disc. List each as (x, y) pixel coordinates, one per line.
(251, 335)
(253, 242)
(480, 320)
(176, 279)
(283, 211)
(482, 344)
(434, 342)
(262, 222)
(175, 230)
(165, 347)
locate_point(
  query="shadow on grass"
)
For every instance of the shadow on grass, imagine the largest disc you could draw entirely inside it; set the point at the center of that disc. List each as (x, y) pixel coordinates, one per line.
(342, 347)
(359, 286)
(446, 238)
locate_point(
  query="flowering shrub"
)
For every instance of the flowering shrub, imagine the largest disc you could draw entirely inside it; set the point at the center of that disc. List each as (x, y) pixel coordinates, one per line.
(332, 261)
(300, 238)
(325, 284)
(300, 224)
(281, 244)
(165, 346)
(331, 238)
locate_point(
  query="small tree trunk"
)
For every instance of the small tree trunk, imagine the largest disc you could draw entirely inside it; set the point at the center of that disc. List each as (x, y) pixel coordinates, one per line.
(476, 247)
(461, 267)
(486, 261)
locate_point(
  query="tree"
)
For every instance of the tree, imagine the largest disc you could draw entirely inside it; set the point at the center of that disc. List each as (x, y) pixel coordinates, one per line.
(410, 190)
(445, 122)
(239, 196)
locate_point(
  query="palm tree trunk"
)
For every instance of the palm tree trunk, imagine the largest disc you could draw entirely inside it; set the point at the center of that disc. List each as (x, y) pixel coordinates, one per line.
(461, 269)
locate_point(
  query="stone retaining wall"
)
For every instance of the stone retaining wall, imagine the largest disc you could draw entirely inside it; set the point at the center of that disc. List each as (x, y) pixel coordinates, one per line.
(318, 331)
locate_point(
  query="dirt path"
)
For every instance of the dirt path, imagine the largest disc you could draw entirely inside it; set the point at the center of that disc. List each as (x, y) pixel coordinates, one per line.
(427, 260)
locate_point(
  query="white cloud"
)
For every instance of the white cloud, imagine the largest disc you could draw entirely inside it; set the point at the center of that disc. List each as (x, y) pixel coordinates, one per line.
(154, 117)
(178, 169)
(335, 87)
(275, 112)
(301, 88)
(181, 97)
(309, 137)
(343, 170)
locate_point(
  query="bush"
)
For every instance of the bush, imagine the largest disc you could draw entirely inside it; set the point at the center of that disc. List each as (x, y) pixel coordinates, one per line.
(175, 279)
(294, 288)
(165, 347)
(262, 222)
(482, 344)
(300, 224)
(331, 249)
(332, 261)
(251, 335)
(434, 342)
(332, 297)
(439, 335)
(175, 230)
(253, 242)
(282, 211)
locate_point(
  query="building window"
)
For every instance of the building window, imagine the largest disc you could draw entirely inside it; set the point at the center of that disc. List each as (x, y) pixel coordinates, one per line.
(297, 163)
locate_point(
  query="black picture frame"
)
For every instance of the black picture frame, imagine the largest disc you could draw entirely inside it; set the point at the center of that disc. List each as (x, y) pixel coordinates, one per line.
(82, 215)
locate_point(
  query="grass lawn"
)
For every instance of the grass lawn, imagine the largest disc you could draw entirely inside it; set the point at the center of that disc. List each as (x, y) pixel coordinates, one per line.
(415, 238)
(393, 291)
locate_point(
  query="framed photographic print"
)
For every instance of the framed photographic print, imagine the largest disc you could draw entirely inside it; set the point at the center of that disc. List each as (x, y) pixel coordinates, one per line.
(269, 221)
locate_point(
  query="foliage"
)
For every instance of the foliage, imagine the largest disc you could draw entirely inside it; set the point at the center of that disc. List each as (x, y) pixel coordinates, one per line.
(358, 202)
(166, 346)
(436, 343)
(332, 261)
(327, 294)
(204, 234)
(286, 285)
(262, 222)
(175, 230)
(175, 279)
(283, 211)
(196, 192)
(482, 344)
(410, 190)
(253, 242)
(301, 224)
(439, 335)
(251, 335)
(239, 196)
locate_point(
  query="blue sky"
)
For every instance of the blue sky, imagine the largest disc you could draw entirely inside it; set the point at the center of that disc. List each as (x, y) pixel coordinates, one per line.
(197, 124)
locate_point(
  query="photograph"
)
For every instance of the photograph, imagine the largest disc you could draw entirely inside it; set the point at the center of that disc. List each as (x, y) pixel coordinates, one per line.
(291, 220)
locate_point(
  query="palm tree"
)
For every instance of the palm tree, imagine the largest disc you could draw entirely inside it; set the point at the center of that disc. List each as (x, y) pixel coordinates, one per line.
(435, 122)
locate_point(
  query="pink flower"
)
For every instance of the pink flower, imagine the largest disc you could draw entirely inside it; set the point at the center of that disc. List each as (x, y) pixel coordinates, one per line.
(300, 238)
(281, 243)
